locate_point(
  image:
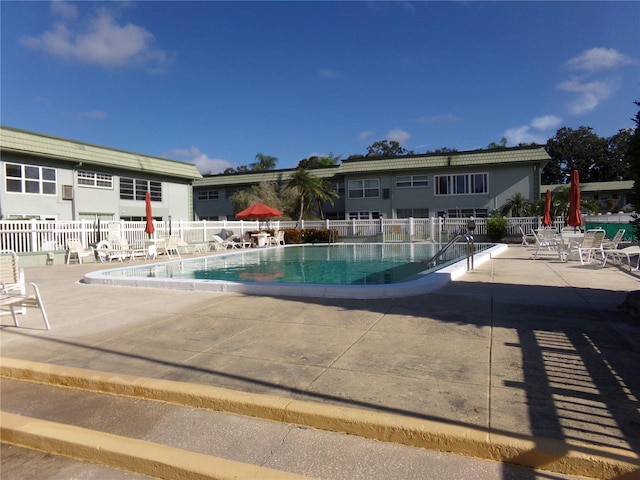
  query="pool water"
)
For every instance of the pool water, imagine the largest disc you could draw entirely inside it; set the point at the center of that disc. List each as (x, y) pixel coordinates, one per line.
(337, 264)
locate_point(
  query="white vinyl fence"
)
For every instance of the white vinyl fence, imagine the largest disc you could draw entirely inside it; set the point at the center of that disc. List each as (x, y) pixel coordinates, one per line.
(25, 236)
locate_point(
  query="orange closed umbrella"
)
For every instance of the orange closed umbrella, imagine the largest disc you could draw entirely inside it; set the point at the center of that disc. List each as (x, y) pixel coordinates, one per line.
(546, 219)
(575, 218)
(149, 228)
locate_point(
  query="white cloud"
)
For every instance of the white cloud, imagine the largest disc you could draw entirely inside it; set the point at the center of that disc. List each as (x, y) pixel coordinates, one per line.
(538, 130)
(398, 135)
(365, 135)
(596, 59)
(102, 42)
(64, 9)
(545, 123)
(203, 163)
(589, 94)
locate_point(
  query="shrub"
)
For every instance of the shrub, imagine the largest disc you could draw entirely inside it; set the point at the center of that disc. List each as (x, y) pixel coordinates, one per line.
(497, 227)
(307, 235)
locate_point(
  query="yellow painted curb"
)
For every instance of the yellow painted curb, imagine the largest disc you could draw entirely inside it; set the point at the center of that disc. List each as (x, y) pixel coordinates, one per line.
(128, 454)
(545, 454)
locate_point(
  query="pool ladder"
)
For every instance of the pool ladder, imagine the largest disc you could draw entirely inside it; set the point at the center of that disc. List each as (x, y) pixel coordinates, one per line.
(468, 238)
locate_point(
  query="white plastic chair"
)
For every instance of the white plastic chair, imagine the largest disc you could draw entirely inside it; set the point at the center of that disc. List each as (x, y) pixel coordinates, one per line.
(75, 249)
(13, 289)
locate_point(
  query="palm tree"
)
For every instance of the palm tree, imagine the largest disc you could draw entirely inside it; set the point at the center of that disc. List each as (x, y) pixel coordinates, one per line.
(322, 192)
(264, 162)
(517, 205)
(305, 184)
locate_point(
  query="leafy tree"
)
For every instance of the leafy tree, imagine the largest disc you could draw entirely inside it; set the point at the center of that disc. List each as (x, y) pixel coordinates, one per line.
(498, 146)
(387, 148)
(444, 150)
(633, 157)
(269, 193)
(264, 162)
(580, 149)
(318, 162)
(617, 166)
(516, 205)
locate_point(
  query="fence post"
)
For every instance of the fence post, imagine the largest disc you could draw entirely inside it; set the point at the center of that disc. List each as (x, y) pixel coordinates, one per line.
(34, 237)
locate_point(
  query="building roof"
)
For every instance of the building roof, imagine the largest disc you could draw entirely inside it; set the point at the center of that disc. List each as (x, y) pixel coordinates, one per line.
(35, 144)
(372, 165)
(454, 159)
(593, 186)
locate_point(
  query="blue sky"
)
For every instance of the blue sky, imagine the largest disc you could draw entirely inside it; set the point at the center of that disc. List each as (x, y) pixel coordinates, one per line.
(215, 83)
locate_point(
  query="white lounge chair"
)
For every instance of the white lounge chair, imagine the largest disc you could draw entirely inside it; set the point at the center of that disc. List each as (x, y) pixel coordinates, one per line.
(13, 289)
(526, 237)
(591, 246)
(172, 246)
(546, 242)
(75, 249)
(613, 243)
(618, 255)
(219, 244)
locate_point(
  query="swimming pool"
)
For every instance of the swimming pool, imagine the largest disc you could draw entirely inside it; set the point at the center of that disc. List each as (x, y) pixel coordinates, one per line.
(336, 271)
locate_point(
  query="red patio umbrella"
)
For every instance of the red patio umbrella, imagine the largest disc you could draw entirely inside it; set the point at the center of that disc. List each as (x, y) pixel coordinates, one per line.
(546, 219)
(149, 228)
(257, 211)
(575, 218)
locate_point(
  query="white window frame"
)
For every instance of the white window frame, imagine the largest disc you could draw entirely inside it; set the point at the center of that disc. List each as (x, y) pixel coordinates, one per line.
(139, 188)
(86, 178)
(31, 178)
(461, 184)
(412, 181)
(364, 215)
(207, 195)
(366, 187)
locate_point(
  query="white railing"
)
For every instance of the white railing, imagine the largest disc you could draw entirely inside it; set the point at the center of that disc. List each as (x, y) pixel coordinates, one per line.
(24, 236)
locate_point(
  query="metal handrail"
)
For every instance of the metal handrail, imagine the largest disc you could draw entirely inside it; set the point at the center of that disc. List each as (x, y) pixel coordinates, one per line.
(470, 249)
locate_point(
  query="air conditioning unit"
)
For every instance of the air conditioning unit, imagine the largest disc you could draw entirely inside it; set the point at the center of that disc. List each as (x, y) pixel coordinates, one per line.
(67, 192)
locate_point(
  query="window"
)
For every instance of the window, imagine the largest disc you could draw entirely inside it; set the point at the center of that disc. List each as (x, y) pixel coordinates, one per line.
(208, 195)
(364, 215)
(135, 189)
(412, 212)
(464, 213)
(93, 179)
(337, 187)
(30, 179)
(409, 181)
(463, 184)
(364, 188)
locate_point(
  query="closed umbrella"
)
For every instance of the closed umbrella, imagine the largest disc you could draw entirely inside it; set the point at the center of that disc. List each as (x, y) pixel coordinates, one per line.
(257, 211)
(149, 228)
(575, 218)
(546, 219)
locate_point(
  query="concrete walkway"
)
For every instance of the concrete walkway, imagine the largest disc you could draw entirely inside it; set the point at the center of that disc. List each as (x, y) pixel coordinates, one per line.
(524, 362)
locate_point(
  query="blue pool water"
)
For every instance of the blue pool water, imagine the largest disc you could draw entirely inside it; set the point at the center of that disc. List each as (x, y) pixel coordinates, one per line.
(350, 270)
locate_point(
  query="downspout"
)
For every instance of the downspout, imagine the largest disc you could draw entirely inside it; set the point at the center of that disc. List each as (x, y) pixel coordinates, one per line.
(75, 187)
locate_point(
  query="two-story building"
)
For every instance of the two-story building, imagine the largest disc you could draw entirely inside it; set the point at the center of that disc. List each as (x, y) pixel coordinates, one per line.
(46, 177)
(457, 184)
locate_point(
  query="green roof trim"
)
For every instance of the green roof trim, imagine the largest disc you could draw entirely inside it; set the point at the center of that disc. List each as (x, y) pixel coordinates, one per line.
(473, 158)
(35, 144)
(593, 186)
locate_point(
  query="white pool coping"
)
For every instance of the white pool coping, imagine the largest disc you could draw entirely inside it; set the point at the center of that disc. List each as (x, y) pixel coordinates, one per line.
(428, 283)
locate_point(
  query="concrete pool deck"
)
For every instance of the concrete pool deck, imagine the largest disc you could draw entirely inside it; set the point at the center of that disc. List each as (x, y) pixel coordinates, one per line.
(524, 362)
